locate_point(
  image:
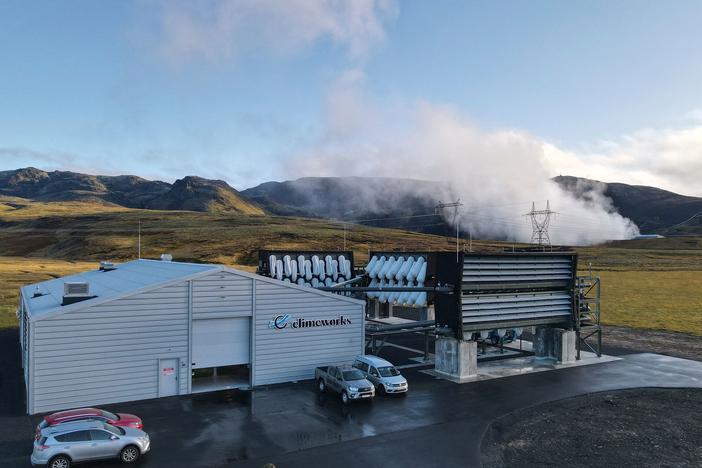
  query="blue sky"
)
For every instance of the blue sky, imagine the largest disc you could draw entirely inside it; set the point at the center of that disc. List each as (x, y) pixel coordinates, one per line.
(244, 90)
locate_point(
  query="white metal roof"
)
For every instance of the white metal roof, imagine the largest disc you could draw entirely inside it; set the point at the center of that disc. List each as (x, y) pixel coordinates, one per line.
(127, 277)
(131, 278)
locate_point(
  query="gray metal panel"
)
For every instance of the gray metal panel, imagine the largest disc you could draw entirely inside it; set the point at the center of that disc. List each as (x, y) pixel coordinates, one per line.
(222, 294)
(109, 352)
(479, 271)
(485, 312)
(293, 353)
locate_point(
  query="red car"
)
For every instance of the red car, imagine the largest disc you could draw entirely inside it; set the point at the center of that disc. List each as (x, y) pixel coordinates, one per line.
(116, 419)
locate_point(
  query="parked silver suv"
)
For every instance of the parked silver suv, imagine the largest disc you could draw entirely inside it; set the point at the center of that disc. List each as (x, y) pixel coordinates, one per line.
(73, 442)
(385, 377)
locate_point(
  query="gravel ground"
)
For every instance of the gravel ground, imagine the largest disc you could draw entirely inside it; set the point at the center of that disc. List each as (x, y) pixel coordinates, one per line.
(652, 341)
(627, 428)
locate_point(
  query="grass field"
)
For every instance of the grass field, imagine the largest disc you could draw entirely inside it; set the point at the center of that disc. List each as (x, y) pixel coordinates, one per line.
(662, 300)
(653, 284)
(16, 272)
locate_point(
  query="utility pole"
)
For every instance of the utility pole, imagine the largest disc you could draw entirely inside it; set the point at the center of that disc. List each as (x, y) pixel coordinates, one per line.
(540, 220)
(139, 240)
(344, 236)
(455, 205)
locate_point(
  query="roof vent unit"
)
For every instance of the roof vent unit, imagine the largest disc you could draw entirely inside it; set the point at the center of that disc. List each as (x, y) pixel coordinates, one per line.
(107, 266)
(166, 257)
(75, 292)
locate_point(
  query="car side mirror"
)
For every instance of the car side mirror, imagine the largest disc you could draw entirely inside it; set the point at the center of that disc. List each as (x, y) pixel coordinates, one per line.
(114, 437)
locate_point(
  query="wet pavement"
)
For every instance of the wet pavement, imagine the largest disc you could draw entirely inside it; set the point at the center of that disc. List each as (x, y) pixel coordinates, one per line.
(439, 423)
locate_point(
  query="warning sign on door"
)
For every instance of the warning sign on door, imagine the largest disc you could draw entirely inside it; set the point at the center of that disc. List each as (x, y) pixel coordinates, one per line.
(168, 370)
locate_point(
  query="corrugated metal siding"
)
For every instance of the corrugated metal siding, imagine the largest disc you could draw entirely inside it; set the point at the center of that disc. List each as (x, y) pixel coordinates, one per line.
(221, 295)
(493, 309)
(479, 272)
(292, 354)
(109, 353)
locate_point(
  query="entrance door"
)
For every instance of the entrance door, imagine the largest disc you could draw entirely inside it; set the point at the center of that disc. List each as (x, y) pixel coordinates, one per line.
(221, 342)
(167, 377)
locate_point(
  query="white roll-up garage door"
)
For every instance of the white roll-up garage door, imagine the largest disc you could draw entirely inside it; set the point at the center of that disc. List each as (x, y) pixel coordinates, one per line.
(221, 342)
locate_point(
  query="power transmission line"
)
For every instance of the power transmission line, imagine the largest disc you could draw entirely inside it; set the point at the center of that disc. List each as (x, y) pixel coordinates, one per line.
(540, 220)
(455, 205)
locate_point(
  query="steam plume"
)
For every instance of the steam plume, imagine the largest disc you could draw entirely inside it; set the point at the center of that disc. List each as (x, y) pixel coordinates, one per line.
(497, 174)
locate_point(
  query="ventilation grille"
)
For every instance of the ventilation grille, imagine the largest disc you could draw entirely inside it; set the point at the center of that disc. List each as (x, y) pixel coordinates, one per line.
(76, 289)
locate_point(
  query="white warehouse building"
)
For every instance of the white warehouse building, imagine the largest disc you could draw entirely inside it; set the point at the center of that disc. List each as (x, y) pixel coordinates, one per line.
(147, 329)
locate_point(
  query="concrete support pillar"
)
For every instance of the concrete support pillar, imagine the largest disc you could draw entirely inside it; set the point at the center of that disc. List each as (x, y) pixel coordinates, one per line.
(554, 343)
(455, 358)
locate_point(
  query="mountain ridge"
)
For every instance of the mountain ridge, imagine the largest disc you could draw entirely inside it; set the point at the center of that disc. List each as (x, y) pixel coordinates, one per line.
(395, 202)
(189, 193)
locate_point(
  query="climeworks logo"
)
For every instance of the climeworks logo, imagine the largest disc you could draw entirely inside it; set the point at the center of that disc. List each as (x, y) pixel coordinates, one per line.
(283, 321)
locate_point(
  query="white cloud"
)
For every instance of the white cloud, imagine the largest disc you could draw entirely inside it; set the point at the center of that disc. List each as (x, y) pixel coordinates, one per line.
(667, 158)
(220, 29)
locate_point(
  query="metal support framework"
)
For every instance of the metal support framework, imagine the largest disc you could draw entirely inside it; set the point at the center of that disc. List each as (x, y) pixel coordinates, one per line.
(540, 220)
(377, 336)
(588, 327)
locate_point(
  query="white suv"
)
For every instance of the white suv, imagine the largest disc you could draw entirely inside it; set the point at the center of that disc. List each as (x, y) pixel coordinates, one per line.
(72, 442)
(382, 374)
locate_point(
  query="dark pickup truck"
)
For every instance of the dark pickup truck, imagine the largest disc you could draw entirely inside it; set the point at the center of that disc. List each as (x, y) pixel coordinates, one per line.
(348, 381)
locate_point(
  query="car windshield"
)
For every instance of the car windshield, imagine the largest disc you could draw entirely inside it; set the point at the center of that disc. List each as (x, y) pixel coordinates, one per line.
(114, 430)
(109, 415)
(388, 371)
(353, 375)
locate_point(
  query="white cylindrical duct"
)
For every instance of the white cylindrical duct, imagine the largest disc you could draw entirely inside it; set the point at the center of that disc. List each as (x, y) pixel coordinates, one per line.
(371, 264)
(402, 272)
(293, 271)
(271, 265)
(279, 269)
(301, 264)
(414, 271)
(402, 298)
(378, 266)
(386, 267)
(334, 269)
(395, 268)
(315, 265)
(422, 274)
(421, 300)
(322, 271)
(372, 284)
(308, 270)
(287, 265)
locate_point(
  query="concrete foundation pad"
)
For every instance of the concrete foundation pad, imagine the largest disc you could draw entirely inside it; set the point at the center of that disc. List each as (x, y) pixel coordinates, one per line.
(521, 366)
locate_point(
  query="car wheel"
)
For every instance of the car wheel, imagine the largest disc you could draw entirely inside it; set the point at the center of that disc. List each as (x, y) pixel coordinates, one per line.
(61, 461)
(129, 454)
(322, 386)
(345, 397)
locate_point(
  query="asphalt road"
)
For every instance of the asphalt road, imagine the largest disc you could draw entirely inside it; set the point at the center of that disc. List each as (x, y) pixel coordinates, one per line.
(438, 423)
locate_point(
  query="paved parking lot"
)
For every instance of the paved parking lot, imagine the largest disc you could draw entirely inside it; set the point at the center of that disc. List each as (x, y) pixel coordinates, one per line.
(438, 423)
